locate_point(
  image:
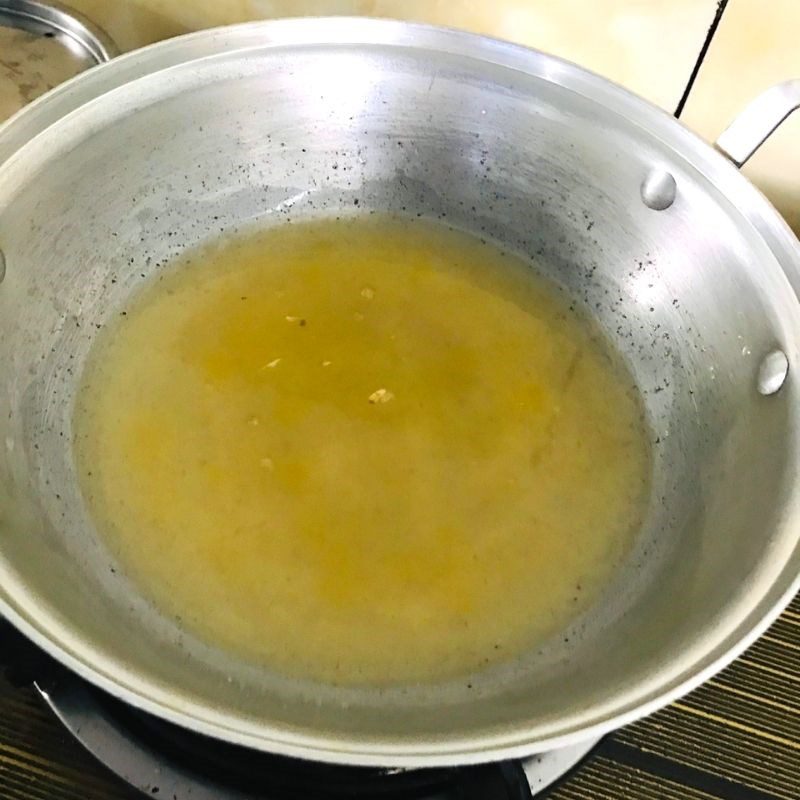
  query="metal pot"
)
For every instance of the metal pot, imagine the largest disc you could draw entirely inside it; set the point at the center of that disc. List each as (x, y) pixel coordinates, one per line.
(683, 263)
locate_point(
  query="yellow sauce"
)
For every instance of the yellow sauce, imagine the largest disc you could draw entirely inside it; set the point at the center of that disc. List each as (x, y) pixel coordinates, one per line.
(366, 452)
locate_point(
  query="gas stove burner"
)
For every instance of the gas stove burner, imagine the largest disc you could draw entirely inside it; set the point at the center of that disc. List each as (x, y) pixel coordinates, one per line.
(166, 761)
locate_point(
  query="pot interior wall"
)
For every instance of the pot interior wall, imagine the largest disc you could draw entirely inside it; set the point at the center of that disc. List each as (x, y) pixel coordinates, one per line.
(690, 296)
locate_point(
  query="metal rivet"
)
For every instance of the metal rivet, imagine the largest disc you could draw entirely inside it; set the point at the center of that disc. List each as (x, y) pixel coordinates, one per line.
(2, 266)
(772, 372)
(658, 190)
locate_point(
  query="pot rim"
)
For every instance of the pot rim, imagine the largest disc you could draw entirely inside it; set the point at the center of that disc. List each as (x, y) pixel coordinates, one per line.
(686, 672)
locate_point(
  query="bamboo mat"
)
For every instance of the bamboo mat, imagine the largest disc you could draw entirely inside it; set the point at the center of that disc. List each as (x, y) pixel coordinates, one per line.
(735, 738)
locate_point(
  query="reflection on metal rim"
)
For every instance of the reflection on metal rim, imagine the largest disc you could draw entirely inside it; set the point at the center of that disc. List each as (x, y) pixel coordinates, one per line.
(50, 18)
(155, 757)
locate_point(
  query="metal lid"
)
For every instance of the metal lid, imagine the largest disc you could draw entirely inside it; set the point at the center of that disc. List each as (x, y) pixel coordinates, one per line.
(44, 44)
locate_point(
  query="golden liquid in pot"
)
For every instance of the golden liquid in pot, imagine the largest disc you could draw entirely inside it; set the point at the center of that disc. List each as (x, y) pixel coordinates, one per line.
(373, 451)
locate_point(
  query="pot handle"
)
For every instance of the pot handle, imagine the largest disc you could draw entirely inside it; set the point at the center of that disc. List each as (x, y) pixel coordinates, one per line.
(759, 119)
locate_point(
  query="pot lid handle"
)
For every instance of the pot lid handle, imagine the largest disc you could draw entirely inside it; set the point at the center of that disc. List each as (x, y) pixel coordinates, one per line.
(759, 119)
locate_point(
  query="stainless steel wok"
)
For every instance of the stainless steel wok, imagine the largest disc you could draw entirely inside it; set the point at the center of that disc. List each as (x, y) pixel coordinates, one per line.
(687, 268)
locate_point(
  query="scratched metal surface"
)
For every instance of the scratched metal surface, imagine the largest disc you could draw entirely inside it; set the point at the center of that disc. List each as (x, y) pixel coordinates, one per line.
(735, 738)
